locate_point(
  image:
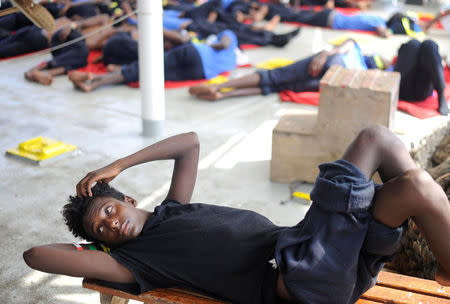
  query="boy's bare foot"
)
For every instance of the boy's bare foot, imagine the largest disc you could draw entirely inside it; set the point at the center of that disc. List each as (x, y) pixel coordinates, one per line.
(203, 89)
(41, 77)
(272, 24)
(83, 86)
(76, 76)
(211, 96)
(81, 80)
(442, 277)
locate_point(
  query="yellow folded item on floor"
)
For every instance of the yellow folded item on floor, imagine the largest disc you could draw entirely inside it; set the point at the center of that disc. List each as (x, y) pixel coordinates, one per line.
(40, 148)
(218, 80)
(274, 63)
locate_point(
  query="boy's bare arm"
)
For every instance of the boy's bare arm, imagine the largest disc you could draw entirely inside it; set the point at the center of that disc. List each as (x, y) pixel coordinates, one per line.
(183, 148)
(66, 259)
(222, 44)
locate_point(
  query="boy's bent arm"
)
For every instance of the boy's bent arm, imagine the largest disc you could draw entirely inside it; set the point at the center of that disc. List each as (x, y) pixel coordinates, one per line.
(183, 148)
(66, 259)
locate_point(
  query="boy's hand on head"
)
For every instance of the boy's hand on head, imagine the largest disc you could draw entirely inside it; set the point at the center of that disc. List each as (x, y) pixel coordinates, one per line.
(103, 175)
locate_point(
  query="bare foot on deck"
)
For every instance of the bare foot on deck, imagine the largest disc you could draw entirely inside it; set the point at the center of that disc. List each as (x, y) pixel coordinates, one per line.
(211, 96)
(81, 81)
(442, 277)
(39, 77)
(80, 76)
(203, 89)
(83, 86)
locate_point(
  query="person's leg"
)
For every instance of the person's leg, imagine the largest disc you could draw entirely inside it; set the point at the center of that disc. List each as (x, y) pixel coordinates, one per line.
(183, 63)
(406, 65)
(407, 191)
(431, 72)
(87, 82)
(10, 48)
(310, 17)
(242, 86)
(293, 77)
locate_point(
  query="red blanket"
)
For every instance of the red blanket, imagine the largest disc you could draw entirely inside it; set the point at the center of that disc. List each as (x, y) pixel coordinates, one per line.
(99, 68)
(421, 109)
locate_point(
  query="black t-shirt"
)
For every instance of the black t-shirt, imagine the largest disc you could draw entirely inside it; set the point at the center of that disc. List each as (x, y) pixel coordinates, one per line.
(220, 251)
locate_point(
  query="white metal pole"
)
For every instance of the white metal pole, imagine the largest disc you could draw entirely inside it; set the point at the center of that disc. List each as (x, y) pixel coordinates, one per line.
(151, 67)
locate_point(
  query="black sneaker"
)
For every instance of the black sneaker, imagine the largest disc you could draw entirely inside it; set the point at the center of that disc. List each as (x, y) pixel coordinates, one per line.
(283, 39)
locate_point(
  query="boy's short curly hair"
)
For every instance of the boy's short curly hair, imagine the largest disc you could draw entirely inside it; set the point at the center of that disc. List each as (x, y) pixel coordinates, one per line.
(74, 211)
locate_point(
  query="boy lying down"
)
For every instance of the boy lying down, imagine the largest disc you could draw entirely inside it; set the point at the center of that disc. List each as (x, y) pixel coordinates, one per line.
(332, 256)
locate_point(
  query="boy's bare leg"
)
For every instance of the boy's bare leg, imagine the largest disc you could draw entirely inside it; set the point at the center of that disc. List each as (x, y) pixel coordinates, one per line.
(249, 81)
(89, 82)
(407, 191)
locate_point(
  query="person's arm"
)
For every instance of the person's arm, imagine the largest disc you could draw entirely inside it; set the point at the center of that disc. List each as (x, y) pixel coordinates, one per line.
(66, 259)
(427, 25)
(175, 37)
(222, 44)
(318, 62)
(183, 148)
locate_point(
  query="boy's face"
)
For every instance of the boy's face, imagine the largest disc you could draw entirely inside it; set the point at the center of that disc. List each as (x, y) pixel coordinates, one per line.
(113, 221)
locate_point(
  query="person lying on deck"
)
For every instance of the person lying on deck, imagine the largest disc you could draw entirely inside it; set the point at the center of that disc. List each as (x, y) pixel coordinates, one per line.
(218, 21)
(419, 65)
(188, 61)
(351, 229)
(74, 55)
(396, 24)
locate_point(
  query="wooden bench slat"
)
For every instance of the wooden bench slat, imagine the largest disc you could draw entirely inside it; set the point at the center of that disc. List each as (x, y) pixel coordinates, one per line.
(391, 288)
(398, 281)
(397, 296)
(166, 295)
(365, 301)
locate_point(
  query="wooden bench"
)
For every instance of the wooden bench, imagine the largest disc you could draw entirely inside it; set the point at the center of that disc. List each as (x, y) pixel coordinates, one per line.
(390, 288)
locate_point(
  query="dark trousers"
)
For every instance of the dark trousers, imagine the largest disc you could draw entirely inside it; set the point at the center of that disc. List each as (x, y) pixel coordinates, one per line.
(310, 17)
(295, 77)
(244, 33)
(130, 71)
(70, 57)
(25, 40)
(201, 12)
(183, 63)
(421, 70)
(120, 49)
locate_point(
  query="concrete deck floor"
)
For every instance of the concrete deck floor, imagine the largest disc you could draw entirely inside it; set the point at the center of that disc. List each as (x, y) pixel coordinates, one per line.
(235, 140)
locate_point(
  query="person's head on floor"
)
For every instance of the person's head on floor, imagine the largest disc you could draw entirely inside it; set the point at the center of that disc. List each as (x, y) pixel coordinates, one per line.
(108, 216)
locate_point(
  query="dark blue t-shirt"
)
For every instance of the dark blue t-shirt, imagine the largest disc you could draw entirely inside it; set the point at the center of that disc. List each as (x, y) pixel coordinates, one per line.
(220, 251)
